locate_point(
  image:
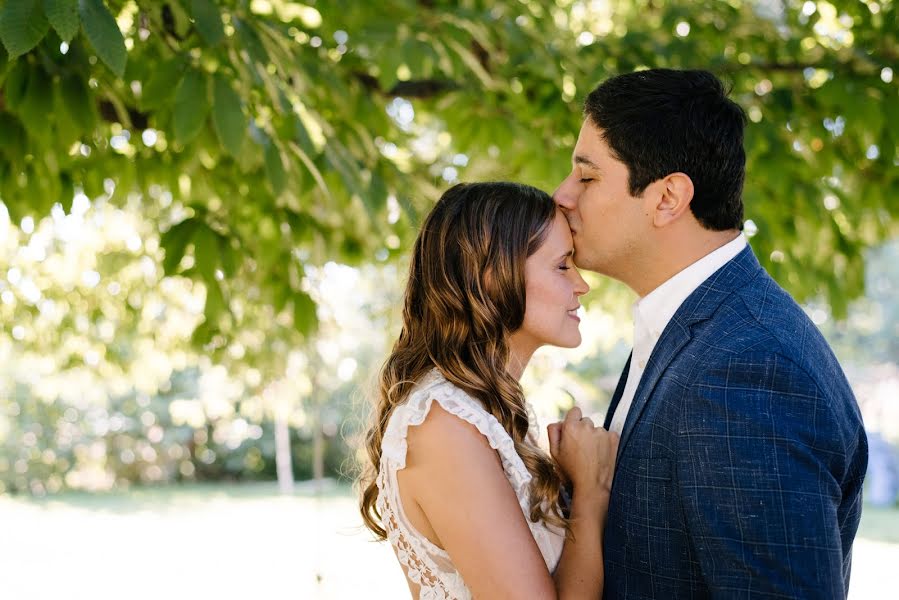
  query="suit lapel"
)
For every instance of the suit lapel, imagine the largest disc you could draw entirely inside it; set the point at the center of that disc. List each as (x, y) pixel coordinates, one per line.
(699, 306)
(670, 343)
(619, 390)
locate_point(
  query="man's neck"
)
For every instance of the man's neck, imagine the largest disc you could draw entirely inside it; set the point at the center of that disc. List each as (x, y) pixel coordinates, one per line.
(673, 257)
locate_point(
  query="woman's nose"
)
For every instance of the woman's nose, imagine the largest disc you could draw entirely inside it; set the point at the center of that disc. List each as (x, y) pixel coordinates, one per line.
(582, 286)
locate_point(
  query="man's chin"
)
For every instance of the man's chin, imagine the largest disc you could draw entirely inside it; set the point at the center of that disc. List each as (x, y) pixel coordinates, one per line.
(594, 267)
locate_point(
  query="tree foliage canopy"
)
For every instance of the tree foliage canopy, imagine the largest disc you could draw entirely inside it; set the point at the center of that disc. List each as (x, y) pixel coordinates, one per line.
(265, 135)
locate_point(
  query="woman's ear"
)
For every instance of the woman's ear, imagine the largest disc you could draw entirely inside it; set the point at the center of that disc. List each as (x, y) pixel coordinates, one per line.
(674, 194)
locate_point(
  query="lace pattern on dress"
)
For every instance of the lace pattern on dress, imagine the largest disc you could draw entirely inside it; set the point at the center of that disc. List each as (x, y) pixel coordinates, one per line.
(427, 565)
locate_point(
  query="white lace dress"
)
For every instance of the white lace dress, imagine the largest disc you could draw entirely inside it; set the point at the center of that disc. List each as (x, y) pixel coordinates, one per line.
(425, 564)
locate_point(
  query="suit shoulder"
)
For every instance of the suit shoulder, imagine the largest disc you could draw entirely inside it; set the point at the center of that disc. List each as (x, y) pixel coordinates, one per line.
(769, 319)
(760, 322)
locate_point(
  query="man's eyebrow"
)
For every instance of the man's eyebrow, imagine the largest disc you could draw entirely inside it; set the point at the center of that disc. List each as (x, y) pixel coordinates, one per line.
(579, 159)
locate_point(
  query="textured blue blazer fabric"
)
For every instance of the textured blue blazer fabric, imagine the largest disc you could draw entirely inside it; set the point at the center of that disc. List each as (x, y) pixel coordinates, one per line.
(741, 462)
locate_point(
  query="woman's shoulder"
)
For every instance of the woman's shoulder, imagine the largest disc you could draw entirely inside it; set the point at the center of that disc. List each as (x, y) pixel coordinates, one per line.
(459, 417)
(434, 384)
(435, 387)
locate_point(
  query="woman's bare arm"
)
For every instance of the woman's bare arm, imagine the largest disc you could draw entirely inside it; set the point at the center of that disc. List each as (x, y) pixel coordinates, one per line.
(580, 573)
(457, 483)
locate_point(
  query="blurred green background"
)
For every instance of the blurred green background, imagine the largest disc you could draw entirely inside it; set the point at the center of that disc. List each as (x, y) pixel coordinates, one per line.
(207, 209)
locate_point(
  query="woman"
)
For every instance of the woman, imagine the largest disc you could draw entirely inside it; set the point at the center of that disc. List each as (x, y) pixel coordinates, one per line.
(457, 482)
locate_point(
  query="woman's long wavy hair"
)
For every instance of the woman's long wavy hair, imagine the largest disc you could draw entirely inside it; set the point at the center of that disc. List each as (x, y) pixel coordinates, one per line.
(464, 297)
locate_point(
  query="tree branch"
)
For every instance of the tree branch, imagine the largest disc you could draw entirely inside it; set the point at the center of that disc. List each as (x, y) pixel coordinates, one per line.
(856, 66)
(109, 113)
(420, 88)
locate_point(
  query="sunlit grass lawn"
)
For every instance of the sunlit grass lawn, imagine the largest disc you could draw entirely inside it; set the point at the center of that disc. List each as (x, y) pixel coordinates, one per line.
(247, 541)
(196, 542)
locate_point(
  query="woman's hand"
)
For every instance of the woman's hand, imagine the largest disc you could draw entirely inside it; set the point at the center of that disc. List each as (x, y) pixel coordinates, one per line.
(585, 453)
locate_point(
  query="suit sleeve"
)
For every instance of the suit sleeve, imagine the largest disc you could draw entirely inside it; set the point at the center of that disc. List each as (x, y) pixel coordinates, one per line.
(760, 457)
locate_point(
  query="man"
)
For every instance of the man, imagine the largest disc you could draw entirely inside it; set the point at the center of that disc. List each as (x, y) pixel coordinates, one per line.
(742, 451)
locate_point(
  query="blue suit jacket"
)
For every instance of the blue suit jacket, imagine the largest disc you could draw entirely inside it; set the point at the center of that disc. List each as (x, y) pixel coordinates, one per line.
(741, 462)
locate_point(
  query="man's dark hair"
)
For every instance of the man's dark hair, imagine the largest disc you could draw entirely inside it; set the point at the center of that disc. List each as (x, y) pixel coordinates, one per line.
(662, 121)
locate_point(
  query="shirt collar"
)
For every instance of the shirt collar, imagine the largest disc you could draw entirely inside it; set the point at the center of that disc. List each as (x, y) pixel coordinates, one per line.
(657, 307)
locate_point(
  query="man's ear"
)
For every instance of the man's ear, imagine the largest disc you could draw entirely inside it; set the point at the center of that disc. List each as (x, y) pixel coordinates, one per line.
(674, 192)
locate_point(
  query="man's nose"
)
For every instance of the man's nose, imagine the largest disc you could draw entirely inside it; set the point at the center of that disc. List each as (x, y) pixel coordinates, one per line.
(564, 194)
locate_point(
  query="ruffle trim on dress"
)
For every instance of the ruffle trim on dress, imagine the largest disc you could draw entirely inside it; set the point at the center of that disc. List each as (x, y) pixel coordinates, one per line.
(459, 403)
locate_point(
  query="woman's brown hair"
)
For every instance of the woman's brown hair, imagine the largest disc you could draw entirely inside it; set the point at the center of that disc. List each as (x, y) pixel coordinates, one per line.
(464, 297)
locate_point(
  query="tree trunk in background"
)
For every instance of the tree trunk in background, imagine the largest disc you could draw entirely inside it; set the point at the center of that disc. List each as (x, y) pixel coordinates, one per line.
(283, 461)
(318, 453)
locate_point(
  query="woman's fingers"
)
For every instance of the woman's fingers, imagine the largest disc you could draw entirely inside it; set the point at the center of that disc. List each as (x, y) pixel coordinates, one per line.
(573, 415)
(554, 433)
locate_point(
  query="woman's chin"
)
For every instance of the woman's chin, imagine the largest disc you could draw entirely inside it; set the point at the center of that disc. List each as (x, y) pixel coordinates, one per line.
(570, 341)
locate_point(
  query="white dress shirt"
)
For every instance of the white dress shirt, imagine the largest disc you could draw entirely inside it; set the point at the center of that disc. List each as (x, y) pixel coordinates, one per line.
(653, 312)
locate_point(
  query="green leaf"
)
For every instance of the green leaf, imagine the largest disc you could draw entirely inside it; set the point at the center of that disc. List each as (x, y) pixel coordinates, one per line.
(77, 103)
(63, 15)
(310, 165)
(249, 159)
(251, 42)
(339, 159)
(174, 242)
(280, 291)
(352, 250)
(92, 182)
(162, 84)
(227, 256)
(191, 107)
(66, 129)
(375, 196)
(302, 136)
(305, 320)
(208, 20)
(104, 34)
(227, 116)
(16, 84)
(47, 186)
(274, 168)
(202, 335)
(206, 251)
(12, 142)
(22, 26)
(872, 118)
(38, 104)
(67, 191)
(215, 301)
